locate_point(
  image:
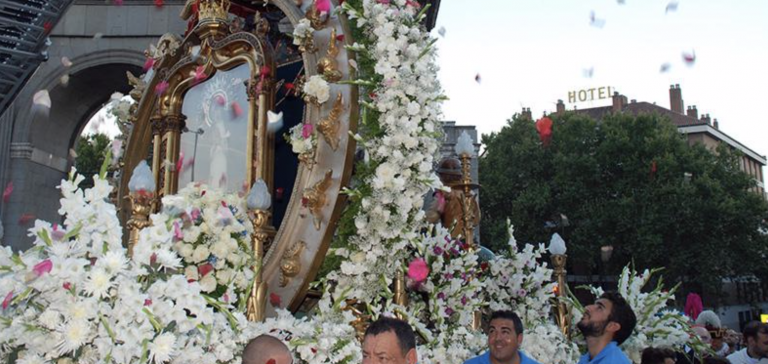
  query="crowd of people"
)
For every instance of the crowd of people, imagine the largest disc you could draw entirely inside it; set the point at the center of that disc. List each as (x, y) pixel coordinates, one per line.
(606, 324)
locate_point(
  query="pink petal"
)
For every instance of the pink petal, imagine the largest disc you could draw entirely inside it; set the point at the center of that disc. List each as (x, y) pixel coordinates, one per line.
(323, 5)
(161, 87)
(7, 300)
(306, 130)
(180, 162)
(149, 63)
(43, 267)
(177, 234)
(7, 192)
(236, 109)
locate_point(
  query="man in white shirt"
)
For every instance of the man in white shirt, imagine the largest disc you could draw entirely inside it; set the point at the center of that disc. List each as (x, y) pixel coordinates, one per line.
(756, 350)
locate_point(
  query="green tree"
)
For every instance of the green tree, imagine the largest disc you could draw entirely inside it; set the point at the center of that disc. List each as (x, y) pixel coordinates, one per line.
(632, 183)
(91, 150)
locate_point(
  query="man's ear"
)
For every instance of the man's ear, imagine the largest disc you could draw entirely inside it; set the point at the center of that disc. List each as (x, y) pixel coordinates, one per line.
(411, 357)
(519, 340)
(613, 327)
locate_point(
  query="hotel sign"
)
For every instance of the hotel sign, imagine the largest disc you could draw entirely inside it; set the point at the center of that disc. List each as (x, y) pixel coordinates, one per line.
(590, 94)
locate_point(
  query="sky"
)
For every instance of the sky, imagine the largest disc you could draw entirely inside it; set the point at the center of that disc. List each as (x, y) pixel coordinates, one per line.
(532, 53)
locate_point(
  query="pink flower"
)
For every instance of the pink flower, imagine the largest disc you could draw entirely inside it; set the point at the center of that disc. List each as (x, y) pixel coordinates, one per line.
(418, 270)
(42, 267)
(7, 300)
(323, 6)
(306, 130)
(177, 234)
(161, 87)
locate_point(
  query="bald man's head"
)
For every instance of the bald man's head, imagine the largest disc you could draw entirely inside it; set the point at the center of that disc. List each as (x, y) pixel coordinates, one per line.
(263, 348)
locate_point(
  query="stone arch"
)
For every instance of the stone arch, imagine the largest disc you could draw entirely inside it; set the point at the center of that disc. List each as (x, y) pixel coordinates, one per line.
(40, 143)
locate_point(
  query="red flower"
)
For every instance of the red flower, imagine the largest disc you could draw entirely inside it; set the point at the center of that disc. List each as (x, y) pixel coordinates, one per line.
(153, 259)
(147, 302)
(418, 270)
(340, 37)
(204, 269)
(159, 3)
(43, 267)
(67, 286)
(274, 300)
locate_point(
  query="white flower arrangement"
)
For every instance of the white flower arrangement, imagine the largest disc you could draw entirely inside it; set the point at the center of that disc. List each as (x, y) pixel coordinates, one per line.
(303, 138)
(211, 233)
(520, 283)
(657, 325)
(302, 31)
(76, 297)
(316, 89)
(545, 343)
(402, 154)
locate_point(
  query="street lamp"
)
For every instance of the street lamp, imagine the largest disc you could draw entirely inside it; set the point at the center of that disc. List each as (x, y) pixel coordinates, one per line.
(557, 249)
(142, 197)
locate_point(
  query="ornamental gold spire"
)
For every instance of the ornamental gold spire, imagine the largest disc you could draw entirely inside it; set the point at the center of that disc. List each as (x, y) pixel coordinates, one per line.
(213, 10)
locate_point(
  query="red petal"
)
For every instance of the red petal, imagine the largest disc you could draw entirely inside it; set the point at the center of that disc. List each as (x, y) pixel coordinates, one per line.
(204, 269)
(159, 3)
(7, 192)
(26, 218)
(274, 299)
(340, 37)
(236, 109)
(48, 26)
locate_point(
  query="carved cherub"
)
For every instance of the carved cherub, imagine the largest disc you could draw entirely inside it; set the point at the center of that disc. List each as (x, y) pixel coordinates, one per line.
(329, 126)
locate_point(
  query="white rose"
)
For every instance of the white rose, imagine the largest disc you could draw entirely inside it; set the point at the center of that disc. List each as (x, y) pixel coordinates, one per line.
(201, 253)
(191, 272)
(318, 88)
(358, 257)
(208, 283)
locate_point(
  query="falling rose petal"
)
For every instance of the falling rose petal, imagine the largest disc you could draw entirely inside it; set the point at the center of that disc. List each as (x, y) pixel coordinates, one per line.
(664, 67)
(221, 100)
(42, 99)
(289, 87)
(274, 299)
(204, 269)
(149, 63)
(200, 73)
(477, 78)
(64, 80)
(48, 26)
(7, 300)
(159, 3)
(323, 5)
(26, 218)
(180, 162)
(672, 6)
(7, 192)
(340, 37)
(119, 2)
(689, 58)
(279, 193)
(98, 35)
(441, 31)
(66, 62)
(189, 163)
(161, 87)
(43, 267)
(177, 234)
(265, 70)
(236, 109)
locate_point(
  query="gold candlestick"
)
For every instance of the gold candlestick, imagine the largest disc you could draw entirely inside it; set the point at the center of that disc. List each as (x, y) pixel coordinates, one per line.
(142, 204)
(257, 300)
(563, 316)
(468, 215)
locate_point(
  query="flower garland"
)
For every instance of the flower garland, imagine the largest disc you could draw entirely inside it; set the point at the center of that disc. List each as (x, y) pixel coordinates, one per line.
(76, 297)
(400, 122)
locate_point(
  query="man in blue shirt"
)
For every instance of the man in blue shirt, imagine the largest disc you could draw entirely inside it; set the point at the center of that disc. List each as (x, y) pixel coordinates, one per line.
(607, 324)
(505, 335)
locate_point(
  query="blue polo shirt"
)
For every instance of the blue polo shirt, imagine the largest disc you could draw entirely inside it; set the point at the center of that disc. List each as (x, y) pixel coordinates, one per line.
(486, 359)
(611, 354)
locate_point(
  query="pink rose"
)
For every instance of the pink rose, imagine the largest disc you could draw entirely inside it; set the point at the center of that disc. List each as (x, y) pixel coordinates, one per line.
(306, 131)
(418, 270)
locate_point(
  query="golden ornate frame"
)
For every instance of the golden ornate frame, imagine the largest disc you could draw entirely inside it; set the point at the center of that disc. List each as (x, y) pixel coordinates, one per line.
(157, 123)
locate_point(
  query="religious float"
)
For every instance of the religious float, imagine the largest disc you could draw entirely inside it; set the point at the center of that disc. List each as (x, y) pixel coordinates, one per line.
(265, 135)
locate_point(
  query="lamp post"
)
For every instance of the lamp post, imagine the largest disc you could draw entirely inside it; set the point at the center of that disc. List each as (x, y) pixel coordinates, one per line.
(558, 250)
(258, 203)
(465, 149)
(142, 197)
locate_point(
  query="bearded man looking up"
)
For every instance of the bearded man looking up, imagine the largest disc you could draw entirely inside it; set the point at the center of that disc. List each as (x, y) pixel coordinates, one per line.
(606, 324)
(505, 335)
